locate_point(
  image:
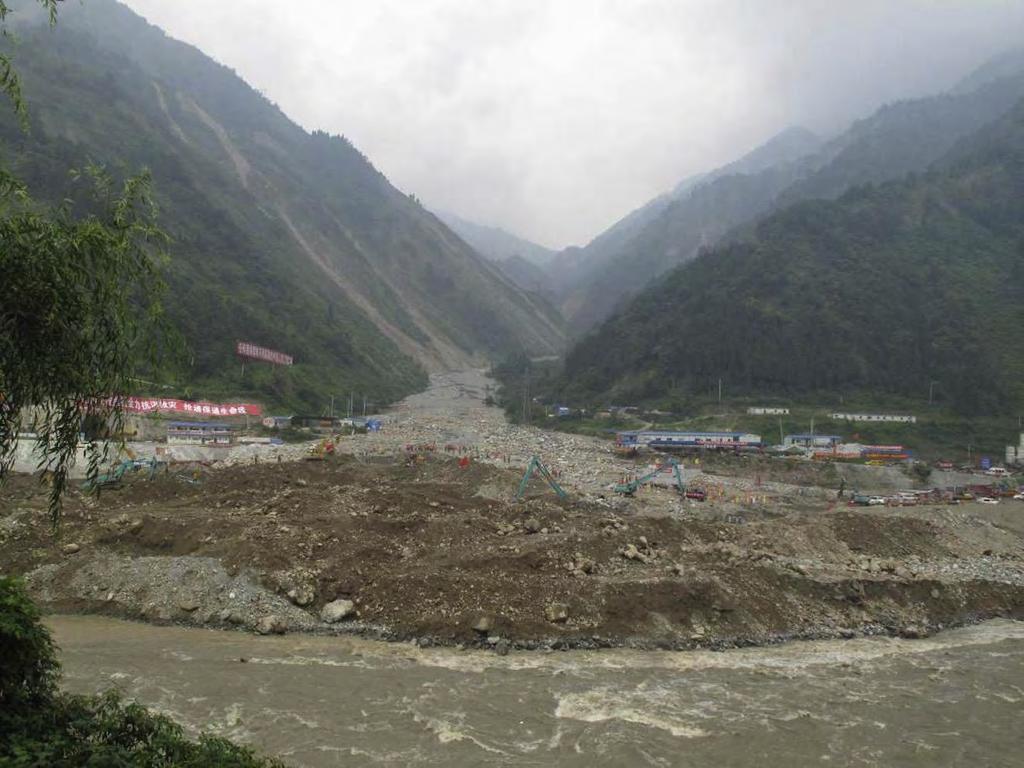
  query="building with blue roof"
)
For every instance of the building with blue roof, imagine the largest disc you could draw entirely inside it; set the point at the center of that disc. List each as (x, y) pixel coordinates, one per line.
(688, 441)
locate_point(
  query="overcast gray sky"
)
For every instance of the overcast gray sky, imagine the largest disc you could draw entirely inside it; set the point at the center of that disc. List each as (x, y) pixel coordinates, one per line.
(553, 118)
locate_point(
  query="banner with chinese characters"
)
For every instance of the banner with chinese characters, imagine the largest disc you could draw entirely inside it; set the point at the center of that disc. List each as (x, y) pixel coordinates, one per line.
(152, 405)
(256, 352)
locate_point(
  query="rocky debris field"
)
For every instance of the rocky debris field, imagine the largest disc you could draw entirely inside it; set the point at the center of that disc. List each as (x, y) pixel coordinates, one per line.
(394, 537)
(434, 552)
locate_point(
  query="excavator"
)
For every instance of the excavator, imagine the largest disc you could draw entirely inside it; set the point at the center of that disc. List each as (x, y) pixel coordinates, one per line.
(114, 477)
(321, 450)
(538, 466)
(631, 487)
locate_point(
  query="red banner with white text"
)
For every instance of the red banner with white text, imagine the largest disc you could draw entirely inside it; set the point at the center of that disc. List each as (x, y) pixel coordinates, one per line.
(157, 404)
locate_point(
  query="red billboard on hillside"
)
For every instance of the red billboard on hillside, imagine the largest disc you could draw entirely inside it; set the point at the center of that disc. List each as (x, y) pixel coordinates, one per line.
(256, 352)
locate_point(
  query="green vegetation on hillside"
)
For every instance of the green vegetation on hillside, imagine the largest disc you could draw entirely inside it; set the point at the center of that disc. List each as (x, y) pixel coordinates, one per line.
(904, 137)
(228, 280)
(80, 303)
(938, 433)
(882, 292)
(287, 239)
(900, 138)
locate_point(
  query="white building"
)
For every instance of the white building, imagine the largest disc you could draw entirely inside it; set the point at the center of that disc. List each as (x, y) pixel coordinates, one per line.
(1015, 453)
(875, 417)
(761, 411)
(199, 433)
(811, 441)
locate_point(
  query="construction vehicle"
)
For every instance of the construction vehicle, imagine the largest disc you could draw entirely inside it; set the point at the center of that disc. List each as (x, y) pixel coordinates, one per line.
(321, 450)
(631, 487)
(536, 465)
(114, 477)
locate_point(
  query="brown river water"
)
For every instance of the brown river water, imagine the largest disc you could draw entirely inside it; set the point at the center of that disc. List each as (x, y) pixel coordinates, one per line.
(956, 699)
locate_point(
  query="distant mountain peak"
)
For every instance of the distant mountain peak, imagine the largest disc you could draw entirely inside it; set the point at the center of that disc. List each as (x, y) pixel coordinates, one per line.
(495, 243)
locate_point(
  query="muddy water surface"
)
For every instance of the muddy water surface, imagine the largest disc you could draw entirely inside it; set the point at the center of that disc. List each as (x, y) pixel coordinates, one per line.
(953, 700)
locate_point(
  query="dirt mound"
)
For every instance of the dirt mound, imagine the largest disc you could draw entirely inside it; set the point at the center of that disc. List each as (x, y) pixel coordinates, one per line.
(428, 549)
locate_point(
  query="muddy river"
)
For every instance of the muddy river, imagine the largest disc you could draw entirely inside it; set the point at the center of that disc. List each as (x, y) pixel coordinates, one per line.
(953, 700)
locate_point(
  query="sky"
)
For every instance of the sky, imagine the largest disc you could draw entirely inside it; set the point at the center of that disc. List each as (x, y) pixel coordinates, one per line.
(554, 118)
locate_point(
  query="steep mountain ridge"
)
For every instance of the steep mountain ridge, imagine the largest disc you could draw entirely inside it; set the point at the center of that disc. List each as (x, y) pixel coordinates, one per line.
(671, 228)
(888, 289)
(297, 235)
(903, 137)
(495, 243)
(577, 265)
(898, 139)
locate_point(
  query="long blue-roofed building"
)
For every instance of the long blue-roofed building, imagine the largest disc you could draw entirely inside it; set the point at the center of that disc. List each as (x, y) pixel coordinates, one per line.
(665, 440)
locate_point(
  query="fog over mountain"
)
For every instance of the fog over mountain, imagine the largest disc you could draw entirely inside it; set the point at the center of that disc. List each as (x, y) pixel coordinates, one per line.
(553, 120)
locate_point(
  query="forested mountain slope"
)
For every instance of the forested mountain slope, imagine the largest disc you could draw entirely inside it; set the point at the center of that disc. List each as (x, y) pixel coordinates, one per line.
(592, 280)
(280, 237)
(898, 139)
(906, 137)
(885, 290)
(698, 220)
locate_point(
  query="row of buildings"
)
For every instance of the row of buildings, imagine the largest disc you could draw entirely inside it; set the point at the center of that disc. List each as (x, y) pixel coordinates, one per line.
(825, 447)
(896, 418)
(218, 433)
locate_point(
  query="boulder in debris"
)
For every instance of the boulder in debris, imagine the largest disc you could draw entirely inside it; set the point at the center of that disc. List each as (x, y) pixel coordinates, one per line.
(337, 610)
(557, 613)
(271, 625)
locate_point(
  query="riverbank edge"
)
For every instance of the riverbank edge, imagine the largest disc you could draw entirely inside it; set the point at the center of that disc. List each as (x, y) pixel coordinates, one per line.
(502, 645)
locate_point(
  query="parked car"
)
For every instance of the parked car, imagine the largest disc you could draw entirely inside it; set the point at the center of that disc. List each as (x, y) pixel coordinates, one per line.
(876, 501)
(997, 472)
(988, 500)
(1019, 496)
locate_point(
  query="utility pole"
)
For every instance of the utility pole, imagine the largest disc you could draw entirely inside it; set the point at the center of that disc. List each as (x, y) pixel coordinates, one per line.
(364, 405)
(781, 438)
(332, 406)
(812, 426)
(719, 390)
(931, 391)
(526, 396)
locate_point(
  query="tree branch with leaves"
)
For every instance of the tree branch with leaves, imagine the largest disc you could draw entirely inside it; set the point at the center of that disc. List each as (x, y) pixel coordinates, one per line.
(80, 307)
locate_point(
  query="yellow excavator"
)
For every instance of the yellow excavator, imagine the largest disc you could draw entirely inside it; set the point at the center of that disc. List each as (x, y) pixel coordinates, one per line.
(321, 450)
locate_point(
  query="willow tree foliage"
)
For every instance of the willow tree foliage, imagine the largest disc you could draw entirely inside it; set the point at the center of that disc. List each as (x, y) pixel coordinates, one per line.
(80, 309)
(9, 82)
